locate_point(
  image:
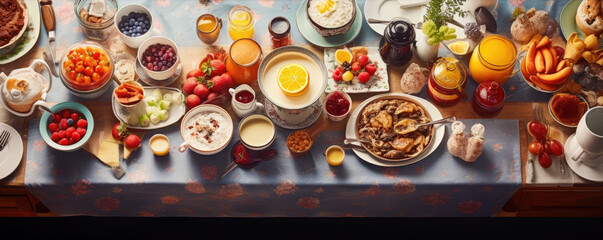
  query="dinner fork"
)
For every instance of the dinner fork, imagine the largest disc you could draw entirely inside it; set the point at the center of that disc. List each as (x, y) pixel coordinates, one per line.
(540, 116)
(4, 137)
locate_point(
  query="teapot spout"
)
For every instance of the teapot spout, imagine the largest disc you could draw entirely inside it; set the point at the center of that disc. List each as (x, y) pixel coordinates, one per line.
(3, 78)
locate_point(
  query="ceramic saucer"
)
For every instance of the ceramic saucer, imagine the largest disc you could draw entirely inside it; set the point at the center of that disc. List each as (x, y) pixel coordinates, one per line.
(590, 173)
(273, 115)
(158, 83)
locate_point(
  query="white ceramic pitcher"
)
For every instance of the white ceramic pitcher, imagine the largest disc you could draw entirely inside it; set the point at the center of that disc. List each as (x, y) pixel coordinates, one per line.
(41, 103)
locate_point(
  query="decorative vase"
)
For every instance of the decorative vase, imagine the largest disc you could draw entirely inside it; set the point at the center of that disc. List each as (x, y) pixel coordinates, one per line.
(425, 51)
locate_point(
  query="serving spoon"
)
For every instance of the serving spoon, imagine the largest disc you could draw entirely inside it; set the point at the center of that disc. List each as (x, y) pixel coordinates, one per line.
(414, 127)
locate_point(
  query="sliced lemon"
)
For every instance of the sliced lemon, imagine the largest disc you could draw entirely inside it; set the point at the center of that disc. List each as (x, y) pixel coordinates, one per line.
(325, 6)
(459, 47)
(293, 79)
(343, 55)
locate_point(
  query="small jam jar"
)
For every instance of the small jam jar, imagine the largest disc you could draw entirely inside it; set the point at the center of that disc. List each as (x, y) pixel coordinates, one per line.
(96, 27)
(488, 98)
(395, 45)
(447, 81)
(280, 32)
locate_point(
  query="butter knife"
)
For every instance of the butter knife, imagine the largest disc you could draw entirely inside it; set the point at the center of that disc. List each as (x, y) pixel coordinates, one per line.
(530, 175)
(49, 20)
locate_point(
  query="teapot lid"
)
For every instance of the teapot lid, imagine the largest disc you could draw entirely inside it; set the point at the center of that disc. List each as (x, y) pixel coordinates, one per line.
(400, 31)
(449, 73)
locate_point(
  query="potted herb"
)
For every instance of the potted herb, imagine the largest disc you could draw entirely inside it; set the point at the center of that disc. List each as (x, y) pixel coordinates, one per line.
(435, 26)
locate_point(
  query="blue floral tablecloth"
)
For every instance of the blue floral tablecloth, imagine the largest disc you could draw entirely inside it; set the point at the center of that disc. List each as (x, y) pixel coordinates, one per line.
(188, 184)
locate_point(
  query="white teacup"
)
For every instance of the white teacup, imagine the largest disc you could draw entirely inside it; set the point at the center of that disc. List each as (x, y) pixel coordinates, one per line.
(588, 146)
(242, 109)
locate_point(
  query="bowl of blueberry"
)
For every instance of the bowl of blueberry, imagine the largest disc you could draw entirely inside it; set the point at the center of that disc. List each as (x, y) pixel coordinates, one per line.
(158, 57)
(134, 23)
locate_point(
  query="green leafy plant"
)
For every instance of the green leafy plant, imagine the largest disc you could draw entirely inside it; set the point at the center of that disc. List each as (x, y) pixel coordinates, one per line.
(439, 13)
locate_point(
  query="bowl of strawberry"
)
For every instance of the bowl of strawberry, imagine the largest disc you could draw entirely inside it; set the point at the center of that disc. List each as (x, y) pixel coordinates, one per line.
(338, 105)
(69, 128)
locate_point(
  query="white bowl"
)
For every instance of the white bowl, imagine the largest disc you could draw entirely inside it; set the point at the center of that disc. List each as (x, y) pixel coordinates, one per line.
(158, 75)
(340, 117)
(133, 42)
(199, 109)
(264, 145)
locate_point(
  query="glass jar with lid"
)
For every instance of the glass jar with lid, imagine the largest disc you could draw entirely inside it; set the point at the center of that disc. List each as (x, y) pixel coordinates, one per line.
(240, 23)
(488, 98)
(280, 32)
(96, 17)
(493, 60)
(395, 45)
(447, 81)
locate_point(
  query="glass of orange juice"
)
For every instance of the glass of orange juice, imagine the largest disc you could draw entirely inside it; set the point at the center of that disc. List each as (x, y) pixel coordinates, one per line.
(243, 60)
(208, 28)
(240, 23)
(493, 60)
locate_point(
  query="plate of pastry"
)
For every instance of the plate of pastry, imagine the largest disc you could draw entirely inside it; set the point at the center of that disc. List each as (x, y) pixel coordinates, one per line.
(26, 18)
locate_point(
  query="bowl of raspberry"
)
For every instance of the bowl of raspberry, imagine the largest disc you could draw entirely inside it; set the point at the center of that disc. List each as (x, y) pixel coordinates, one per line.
(134, 23)
(338, 105)
(69, 128)
(158, 57)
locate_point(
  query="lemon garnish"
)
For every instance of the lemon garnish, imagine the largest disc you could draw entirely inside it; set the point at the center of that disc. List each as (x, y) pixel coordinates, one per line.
(325, 6)
(293, 79)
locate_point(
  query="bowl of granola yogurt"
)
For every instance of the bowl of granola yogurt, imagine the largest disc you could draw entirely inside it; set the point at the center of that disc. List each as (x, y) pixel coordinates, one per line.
(206, 129)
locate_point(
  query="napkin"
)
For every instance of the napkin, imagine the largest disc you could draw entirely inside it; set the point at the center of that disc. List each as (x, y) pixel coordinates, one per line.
(101, 143)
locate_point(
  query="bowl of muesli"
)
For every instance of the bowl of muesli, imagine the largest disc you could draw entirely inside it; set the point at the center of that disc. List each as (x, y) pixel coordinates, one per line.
(331, 17)
(206, 129)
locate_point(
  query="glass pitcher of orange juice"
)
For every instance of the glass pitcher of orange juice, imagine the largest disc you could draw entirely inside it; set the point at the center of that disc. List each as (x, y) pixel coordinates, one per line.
(240, 23)
(493, 60)
(243, 60)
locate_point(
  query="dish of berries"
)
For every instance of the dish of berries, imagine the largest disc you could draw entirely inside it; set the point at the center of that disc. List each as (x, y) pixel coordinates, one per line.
(355, 70)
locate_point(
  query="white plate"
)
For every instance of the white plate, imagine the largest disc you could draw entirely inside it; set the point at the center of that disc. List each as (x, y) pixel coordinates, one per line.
(379, 82)
(590, 173)
(176, 110)
(30, 37)
(438, 134)
(389, 9)
(10, 157)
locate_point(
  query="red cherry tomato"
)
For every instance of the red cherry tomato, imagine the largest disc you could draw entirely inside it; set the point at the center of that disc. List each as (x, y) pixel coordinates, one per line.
(536, 148)
(556, 147)
(547, 147)
(545, 160)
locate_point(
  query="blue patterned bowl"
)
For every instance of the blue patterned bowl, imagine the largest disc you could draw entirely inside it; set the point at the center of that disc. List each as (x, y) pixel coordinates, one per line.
(47, 119)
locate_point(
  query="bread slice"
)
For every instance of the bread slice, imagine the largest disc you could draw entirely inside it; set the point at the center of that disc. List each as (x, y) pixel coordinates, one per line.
(596, 27)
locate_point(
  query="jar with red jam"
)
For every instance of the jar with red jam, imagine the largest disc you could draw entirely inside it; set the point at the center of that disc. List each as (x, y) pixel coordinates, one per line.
(395, 46)
(280, 32)
(488, 98)
(447, 81)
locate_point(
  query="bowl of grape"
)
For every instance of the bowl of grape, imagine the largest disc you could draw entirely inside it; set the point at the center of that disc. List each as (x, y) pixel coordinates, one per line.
(158, 57)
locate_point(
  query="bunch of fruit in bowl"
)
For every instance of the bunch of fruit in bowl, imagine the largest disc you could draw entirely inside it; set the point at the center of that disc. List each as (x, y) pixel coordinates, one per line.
(353, 66)
(208, 81)
(544, 65)
(68, 127)
(87, 67)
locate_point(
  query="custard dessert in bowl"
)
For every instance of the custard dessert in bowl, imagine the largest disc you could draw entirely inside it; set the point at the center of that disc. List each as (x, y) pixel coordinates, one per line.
(24, 89)
(257, 132)
(293, 79)
(331, 17)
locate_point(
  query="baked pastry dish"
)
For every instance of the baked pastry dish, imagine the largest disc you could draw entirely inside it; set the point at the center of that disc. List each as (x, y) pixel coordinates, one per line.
(331, 17)
(589, 17)
(22, 90)
(13, 20)
(388, 125)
